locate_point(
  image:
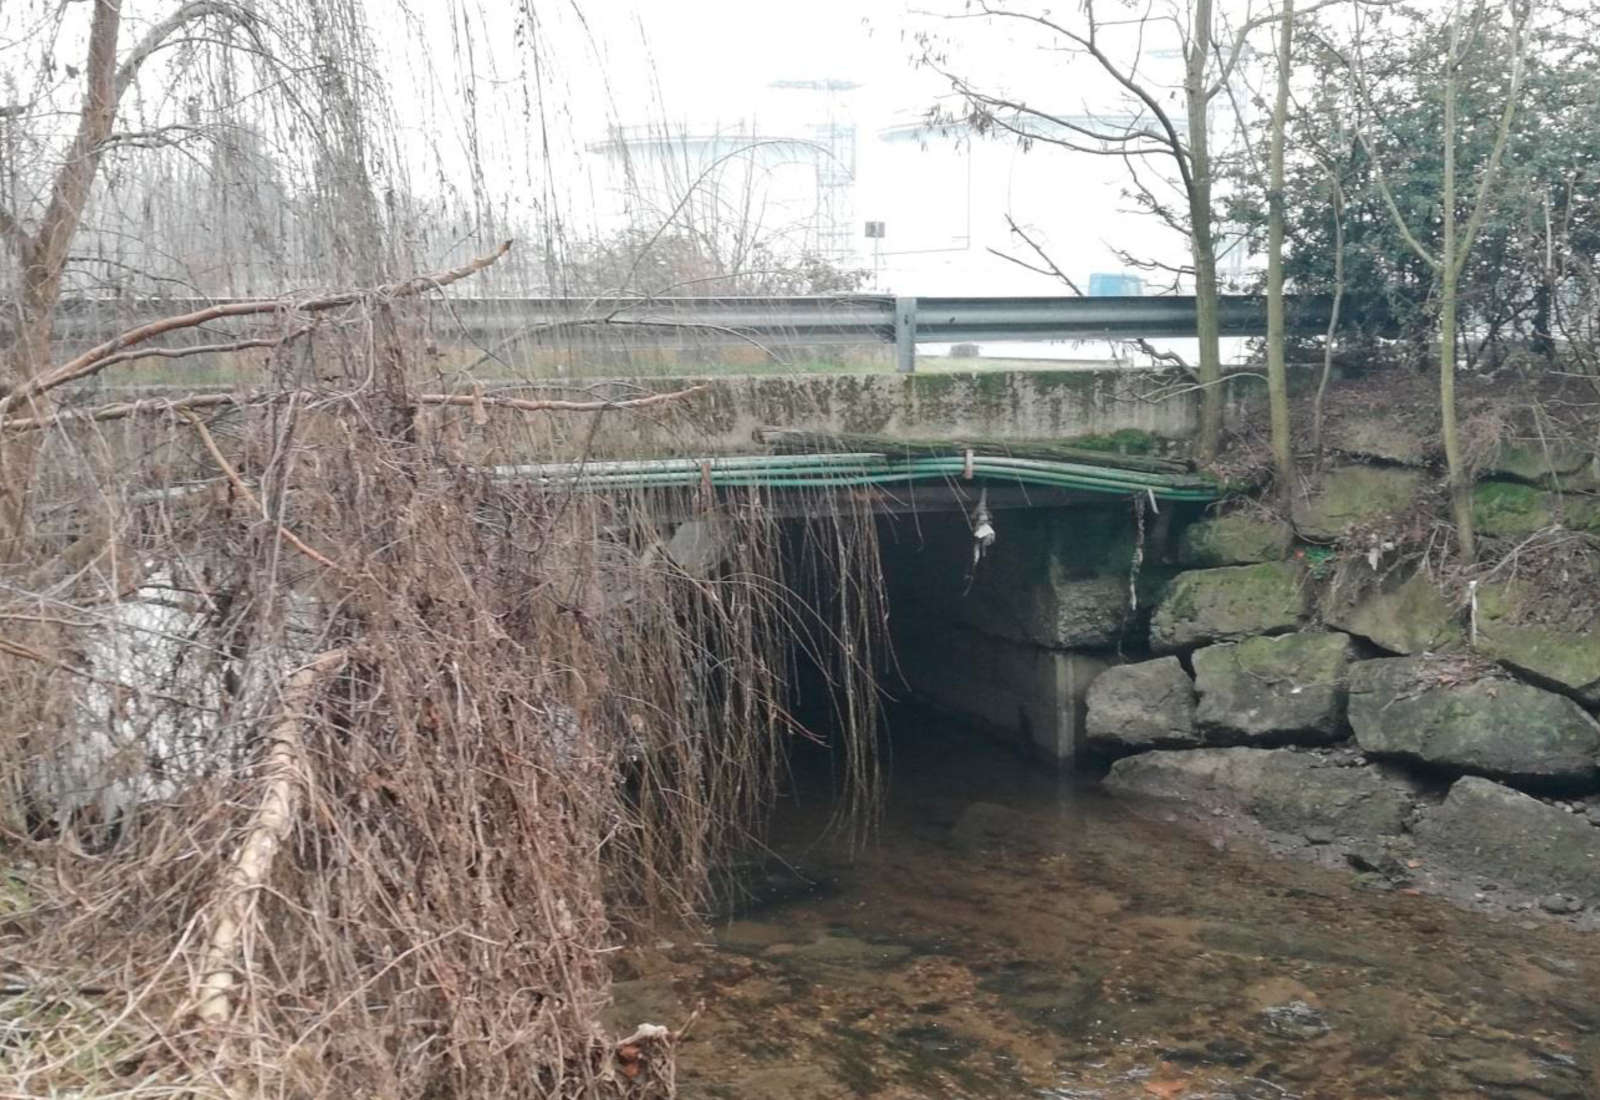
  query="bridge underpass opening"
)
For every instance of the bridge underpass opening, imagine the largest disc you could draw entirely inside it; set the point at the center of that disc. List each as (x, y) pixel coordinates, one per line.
(996, 636)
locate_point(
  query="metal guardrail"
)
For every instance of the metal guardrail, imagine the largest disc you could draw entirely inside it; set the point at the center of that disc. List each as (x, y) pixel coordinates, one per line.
(798, 321)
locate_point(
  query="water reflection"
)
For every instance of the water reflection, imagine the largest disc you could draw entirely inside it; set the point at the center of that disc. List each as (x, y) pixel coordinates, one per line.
(1008, 935)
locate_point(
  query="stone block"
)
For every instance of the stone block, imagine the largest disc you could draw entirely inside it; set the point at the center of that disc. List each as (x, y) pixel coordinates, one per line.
(1553, 465)
(1228, 604)
(1287, 791)
(1486, 829)
(1351, 495)
(1289, 688)
(1564, 659)
(1442, 713)
(1506, 509)
(1403, 613)
(1141, 706)
(1241, 538)
(1384, 436)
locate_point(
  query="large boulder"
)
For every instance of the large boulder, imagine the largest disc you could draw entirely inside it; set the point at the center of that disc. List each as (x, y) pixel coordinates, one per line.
(1287, 791)
(1141, 706)
(1509, 631)
(1239, 538)
(1483, 828)
(1452, 715)
(1349, 496)
(1285, 688)
(1227, 604)
(1404, 613)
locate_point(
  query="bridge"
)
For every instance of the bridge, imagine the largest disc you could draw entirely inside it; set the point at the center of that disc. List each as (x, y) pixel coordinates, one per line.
(1082, 474)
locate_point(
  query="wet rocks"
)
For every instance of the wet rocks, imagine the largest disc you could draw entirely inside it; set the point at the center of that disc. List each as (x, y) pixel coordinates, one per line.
(1447, 715)
(1483, 827)
(1286, 791)
(1276, 689)
(1228, 604)
(1294, 1020)
(1146, 705)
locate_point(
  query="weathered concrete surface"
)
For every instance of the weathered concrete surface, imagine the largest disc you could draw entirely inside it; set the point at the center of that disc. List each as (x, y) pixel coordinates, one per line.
(1487, 829)
(1402, 613)
(1241, 538)
(1023, 692)
(989, 405)
(1566, 660)
(1228, 604)
(1288, 688)
(1348, 496)
(1287, 791)
(1142, 706)
(1436, 712)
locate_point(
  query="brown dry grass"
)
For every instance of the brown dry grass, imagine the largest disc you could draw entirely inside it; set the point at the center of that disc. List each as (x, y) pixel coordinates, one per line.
(403, 877)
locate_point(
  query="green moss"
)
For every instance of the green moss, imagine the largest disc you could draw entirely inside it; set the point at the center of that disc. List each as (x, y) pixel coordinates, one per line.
(1125, 441)
(1504, 508)
(1352, 495)
(1237, 539)
(1227, 604)
(1569, 659)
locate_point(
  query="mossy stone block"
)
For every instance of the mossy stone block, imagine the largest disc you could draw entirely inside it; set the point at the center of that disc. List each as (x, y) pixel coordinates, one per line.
(1237, 539)
(1228, 604)
(1352, 495)
(1568, 660)
(1403, 614)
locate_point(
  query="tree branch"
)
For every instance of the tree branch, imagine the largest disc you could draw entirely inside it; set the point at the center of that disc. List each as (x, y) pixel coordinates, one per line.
(250, 498)
(97, 358)
(285, 769)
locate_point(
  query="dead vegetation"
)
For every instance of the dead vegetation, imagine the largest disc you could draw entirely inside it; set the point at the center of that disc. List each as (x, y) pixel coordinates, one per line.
(336, 766)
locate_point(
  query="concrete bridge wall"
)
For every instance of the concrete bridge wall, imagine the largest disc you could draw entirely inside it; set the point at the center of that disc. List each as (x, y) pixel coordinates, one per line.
(988, 405)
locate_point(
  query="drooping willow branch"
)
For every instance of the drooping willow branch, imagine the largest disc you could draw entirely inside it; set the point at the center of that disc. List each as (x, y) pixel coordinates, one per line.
(103, 355)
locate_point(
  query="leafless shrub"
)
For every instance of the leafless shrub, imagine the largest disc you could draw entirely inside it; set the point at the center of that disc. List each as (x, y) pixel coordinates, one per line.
(334, 765)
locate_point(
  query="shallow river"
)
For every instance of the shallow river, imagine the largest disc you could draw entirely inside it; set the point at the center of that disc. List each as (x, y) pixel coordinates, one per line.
(1006, 935)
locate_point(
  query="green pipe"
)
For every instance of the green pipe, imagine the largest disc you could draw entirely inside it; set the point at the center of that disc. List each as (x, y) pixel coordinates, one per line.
(836, 470)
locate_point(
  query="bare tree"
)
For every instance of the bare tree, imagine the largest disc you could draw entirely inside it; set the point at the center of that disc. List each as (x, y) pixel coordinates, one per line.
(1457, 237)
(1277, 373)
(1150, 131)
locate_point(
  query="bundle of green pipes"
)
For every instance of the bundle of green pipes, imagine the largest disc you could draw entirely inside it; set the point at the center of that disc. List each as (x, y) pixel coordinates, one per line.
(842, 471)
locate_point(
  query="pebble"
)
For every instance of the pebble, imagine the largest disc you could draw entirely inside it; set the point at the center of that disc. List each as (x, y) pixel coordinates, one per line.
(1320, 834)
(1560, 903)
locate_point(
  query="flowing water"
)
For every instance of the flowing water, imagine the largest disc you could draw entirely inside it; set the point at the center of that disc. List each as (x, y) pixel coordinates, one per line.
(1009, 935)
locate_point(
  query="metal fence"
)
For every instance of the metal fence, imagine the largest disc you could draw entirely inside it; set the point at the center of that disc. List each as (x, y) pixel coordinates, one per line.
(801, 321)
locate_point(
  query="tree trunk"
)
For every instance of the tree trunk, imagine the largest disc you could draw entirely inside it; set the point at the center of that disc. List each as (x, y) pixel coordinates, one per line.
(44, 258)
(1277, 371)
(1449, 270)
(1207, 324)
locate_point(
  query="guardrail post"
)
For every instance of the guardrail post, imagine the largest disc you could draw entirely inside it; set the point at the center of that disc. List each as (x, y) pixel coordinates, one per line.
(905, 334)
